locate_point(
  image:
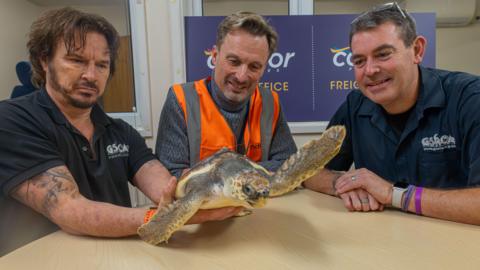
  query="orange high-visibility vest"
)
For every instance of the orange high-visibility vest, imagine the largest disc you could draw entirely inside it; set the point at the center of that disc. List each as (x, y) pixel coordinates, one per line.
(208, 131)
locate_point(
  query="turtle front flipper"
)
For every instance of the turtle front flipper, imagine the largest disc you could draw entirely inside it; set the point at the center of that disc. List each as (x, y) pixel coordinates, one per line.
(169, 219)
(308, 161)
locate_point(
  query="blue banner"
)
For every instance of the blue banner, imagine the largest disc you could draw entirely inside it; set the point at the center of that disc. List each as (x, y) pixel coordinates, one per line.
(311, 70)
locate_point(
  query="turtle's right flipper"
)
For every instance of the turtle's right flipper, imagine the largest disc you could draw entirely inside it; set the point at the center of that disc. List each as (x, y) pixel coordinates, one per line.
(308, 161)
(169, 219)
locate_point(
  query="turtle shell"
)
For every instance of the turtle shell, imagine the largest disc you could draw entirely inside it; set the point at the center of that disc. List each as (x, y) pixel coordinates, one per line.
(229, 179)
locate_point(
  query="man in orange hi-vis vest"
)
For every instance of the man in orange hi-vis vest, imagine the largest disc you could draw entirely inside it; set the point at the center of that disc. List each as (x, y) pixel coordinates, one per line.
(227, 109)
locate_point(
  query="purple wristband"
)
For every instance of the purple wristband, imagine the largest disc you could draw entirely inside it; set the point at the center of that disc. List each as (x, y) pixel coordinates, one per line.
(418, 200)
(407, 197)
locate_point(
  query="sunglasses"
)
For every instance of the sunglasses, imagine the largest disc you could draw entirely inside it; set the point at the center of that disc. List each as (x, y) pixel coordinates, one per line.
(387, 6)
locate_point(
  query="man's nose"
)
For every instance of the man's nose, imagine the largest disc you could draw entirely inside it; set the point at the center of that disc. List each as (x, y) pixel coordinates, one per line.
(242, 73)
(90, 72)
(371, 67)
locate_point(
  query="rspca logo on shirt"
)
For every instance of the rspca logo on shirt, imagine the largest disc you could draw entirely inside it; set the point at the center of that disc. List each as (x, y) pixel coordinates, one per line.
(438, 143)
(115, 150)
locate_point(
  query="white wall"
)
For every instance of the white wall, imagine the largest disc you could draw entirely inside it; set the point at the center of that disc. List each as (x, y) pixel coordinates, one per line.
(457, 48)
(19, 14)
(159, 57)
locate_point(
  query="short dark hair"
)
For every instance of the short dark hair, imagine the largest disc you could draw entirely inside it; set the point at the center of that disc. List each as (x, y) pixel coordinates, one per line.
(67, 24)
(250, 22)
(381, 14)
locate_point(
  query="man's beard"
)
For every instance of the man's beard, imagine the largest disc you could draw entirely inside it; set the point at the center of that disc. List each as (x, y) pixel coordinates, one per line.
(80, 104)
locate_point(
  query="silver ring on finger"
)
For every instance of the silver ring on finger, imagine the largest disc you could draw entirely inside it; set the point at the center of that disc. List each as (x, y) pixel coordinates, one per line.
(354, 178)
(364, 200)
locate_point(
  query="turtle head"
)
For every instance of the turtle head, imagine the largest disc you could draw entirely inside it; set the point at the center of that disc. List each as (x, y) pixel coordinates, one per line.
(251, 187)
(244, 181)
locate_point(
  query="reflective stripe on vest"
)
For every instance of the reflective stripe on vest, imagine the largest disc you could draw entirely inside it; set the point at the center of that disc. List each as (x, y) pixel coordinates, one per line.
(200, 111)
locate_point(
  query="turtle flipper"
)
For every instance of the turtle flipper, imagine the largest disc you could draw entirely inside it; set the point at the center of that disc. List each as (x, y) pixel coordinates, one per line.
(308, 161)
(169, 219)
(244, 212)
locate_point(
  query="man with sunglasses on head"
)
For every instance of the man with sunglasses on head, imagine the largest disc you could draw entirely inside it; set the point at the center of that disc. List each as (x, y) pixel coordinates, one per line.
(412, 132)
(227, 109)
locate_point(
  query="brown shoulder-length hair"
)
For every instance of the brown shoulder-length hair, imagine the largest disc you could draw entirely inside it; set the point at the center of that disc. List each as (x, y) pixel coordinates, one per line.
(70, 25)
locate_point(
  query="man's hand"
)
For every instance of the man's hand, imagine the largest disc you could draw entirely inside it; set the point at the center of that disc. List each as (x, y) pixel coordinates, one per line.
(364, 179)
(185, 171)
(360, 200)
(168, 192)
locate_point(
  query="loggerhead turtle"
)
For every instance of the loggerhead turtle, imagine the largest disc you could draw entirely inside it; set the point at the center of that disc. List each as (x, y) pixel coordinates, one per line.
(230, 179)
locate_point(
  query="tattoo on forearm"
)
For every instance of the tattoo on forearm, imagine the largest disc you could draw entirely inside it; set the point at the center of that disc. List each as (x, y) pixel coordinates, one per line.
(60, 184)
(44, 191)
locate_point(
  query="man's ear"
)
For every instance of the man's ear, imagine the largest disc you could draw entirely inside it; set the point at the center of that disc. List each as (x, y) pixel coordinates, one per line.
(214, 52)
(419, 45)
(44, 63)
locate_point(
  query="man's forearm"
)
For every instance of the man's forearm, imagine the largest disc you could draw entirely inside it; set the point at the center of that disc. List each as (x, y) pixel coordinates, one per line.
(153, 179)
(54, 193)
(323, 182)
(460, 205)
(86, 217)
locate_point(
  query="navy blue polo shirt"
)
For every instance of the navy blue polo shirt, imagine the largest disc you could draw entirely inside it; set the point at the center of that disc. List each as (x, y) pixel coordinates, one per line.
(35, 136)
(440, 144)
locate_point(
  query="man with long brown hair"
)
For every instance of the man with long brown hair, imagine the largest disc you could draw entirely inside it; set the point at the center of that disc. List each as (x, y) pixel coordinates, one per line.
(61, 155)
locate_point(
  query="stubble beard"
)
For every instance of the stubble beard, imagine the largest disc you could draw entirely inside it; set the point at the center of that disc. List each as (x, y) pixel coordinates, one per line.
(80, 104)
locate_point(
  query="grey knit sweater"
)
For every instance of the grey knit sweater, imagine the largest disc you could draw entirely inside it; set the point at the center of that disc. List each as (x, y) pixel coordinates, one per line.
(172, 141)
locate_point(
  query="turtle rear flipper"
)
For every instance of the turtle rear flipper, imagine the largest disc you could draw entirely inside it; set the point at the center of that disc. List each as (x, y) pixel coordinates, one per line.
(308, 161)
(169, 219)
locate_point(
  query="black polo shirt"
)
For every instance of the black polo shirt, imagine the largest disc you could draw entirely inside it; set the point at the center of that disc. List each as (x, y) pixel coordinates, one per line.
(440, 144)
(35, 136)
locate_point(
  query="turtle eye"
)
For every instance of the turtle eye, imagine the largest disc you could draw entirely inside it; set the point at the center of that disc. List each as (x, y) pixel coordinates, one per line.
(248, 190)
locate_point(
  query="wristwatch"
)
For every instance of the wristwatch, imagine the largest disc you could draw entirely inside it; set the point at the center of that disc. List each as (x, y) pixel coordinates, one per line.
(399, 188)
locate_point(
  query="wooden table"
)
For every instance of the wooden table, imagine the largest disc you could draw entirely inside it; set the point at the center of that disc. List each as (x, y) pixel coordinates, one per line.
(302, 230)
